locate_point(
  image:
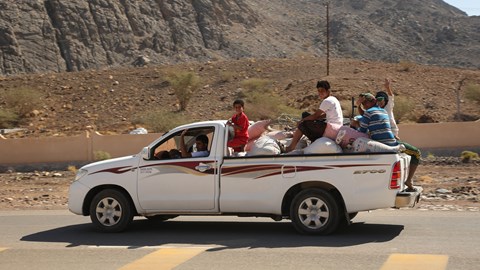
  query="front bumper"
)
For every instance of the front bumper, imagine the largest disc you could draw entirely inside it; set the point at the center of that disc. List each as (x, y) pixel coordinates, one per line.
(76, 196)
(408, 199)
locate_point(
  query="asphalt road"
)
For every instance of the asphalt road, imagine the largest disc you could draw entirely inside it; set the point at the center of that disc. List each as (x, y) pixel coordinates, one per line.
(383, 239)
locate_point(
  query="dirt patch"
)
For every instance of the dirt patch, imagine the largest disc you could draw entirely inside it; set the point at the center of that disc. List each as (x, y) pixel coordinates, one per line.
(446, 187)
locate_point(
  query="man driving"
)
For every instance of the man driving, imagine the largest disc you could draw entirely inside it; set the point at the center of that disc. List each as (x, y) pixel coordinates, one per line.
(201, 142)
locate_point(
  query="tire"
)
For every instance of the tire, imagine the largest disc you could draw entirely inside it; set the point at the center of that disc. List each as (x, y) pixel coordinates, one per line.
(315, 211)
(111, 211)
(160, 218)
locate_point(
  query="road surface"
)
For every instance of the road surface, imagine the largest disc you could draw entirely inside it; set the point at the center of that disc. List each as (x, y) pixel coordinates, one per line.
(382, 239)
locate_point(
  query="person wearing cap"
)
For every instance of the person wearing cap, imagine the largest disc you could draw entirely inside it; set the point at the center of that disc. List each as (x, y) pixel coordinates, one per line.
(313, 125)
(376, 123)
(386, 101)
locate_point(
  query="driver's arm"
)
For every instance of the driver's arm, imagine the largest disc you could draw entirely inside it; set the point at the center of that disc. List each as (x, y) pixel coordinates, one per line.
(183, 147)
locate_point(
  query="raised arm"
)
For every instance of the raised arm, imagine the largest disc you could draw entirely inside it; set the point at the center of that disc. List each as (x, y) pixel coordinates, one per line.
(388, 87)
(183, 147)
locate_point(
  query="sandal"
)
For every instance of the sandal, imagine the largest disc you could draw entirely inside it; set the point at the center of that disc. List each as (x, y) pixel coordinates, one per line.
(410, 189)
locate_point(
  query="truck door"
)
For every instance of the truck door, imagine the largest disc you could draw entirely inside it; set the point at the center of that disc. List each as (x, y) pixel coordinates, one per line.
(169, 182)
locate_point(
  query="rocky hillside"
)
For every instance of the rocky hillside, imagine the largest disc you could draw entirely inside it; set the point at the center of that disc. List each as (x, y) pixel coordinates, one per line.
(53, 35)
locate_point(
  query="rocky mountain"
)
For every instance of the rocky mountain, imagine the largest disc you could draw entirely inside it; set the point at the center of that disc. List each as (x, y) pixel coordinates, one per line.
(53, 35)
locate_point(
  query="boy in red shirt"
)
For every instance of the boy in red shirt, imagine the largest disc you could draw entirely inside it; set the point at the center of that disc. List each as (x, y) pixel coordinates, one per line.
(240, 124)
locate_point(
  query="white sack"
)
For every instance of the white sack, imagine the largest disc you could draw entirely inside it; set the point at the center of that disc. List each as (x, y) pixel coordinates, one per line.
(369, 145)
(322, 145)
(264, 146)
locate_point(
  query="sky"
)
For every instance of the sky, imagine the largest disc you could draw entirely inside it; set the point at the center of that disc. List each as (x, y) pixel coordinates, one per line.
(471, 7)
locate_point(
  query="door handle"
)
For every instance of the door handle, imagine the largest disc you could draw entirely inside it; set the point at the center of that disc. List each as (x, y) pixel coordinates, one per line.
(202, 167)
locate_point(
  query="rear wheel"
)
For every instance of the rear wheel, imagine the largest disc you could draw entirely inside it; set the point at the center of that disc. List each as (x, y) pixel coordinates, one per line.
(111, 211)
(315, 211)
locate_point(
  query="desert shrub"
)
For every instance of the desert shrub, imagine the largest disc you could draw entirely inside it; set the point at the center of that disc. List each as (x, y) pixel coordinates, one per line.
(8, 119)
(402, 108)
(473, 92)
(72, 168)
(184, 85)
(266, 105)
(405, 66)
(256, 84)
(160, 120)
(262, 103)
(22, 100)
(226, 76)
(101, 155)
(467, 156)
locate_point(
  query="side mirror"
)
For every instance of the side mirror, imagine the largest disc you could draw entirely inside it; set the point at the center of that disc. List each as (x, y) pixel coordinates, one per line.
(146, 153)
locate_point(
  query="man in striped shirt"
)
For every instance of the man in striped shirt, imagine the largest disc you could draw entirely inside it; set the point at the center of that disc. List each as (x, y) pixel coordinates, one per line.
(375, 121)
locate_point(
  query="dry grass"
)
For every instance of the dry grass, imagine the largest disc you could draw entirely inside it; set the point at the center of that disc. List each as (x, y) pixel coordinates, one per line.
(403, 108)
(160, 120)
(472, 92)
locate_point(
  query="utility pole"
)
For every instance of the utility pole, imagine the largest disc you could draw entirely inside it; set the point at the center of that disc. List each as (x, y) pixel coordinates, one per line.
(327, 5)
(458, 116)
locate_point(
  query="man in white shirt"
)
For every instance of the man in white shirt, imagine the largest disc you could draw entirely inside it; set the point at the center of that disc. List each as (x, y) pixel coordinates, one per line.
(201, 142)
(313, 125)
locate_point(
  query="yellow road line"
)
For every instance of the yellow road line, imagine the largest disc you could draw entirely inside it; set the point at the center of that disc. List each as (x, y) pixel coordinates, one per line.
(164, 259)
(2, 249)
(415, 262)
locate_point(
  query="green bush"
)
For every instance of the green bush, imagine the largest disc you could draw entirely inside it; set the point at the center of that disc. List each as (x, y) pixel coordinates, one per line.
(8, 119)
(22, 100)
(402, 108)
(256, 84)
(184, 84)
(467, 156)
(160, 120)
(266, 105)
(101, 155)
(473, 92)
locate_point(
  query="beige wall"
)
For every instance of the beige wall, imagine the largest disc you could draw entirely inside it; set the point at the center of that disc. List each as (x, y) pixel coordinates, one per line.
(441, 135)
(75, 148)
(82, 148)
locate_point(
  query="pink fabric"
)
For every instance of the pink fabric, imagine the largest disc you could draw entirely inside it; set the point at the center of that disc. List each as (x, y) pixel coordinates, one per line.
(257, 129)
(347, 135)
(250, 144)
(331, 131)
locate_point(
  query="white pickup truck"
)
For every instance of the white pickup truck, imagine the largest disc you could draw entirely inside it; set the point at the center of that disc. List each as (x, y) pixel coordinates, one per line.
(318, 193)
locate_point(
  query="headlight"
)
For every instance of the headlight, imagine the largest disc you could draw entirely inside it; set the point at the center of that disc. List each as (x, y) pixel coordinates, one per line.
(80, 173)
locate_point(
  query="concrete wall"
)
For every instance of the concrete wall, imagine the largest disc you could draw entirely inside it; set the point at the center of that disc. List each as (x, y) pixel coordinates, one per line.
(70, 149)
(81, 149)
(442, 135)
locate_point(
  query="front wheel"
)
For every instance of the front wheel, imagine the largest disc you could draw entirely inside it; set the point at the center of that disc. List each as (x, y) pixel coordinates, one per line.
(315, 211)
(111, 211)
